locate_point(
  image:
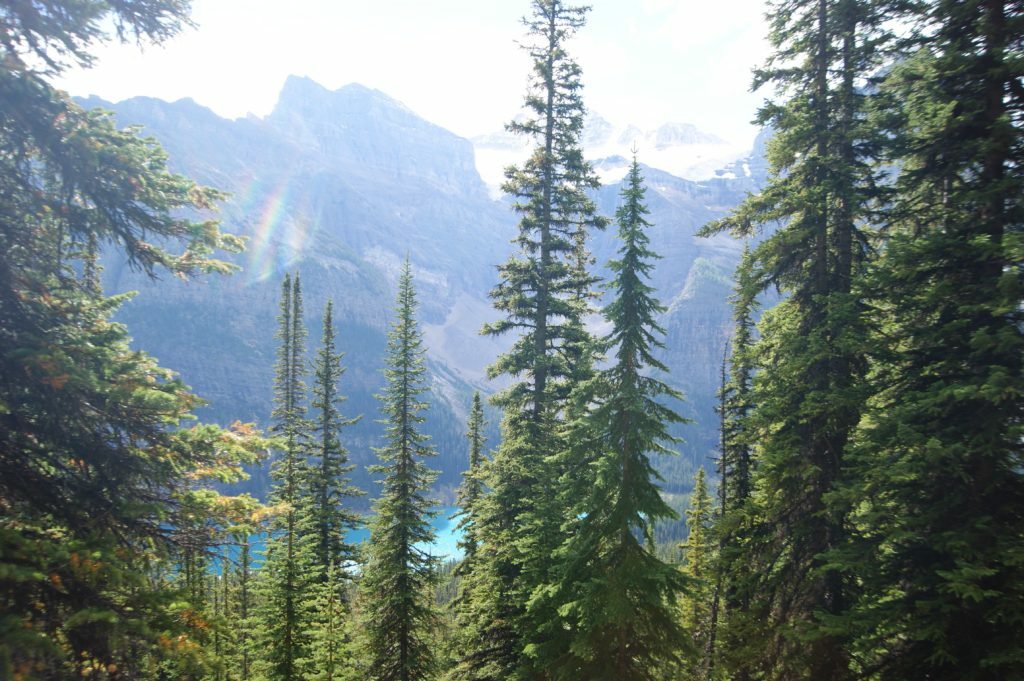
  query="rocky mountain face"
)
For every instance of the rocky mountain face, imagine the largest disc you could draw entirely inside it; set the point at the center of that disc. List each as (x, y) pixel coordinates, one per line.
(340, 186)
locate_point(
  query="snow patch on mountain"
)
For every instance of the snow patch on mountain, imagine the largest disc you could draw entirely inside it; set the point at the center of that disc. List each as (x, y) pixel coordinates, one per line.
(677, 148)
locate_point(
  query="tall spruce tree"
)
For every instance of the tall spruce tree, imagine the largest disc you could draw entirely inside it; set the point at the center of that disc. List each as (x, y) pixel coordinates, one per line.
(542, 292)
(329, 487)
(736, 397)
(245, 621)
(734, 579)
(397, 600)
(710, 649)
(618, 601)
(287, 570)
(467, 572)
(471, 491)
(940, 486)
(814, 341)
(699, 557)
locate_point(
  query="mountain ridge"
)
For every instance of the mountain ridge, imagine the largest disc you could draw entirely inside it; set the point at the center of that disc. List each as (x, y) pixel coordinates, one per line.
(334, 186)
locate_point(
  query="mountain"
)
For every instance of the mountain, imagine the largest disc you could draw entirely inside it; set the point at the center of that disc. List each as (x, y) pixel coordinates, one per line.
(677, 148)
(341, 186)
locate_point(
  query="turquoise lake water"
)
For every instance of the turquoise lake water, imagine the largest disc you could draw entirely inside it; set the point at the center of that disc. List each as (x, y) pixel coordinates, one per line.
(447, 534)
(445, 545)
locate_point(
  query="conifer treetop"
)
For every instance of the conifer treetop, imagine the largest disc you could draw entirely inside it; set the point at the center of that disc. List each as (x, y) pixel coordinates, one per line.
(399, 612)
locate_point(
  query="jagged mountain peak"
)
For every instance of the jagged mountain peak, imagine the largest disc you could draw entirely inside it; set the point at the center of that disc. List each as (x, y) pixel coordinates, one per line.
(185, 106)
(597, 130)
(666, 136)
(368, 133)
(304, 93)
(299, 89)
(674, 134)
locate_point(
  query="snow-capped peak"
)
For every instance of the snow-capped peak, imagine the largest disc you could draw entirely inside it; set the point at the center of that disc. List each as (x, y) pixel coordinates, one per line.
(677, 148)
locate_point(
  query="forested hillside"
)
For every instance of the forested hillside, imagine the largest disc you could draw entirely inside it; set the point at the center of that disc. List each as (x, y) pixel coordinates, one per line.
(826, 337)
(342, 185)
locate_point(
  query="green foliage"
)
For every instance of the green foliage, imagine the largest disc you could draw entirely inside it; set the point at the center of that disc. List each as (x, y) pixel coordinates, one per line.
(398, 611)
(894, 555)
(938, 494)
(472, 489)
(289, 413)
(289, 567)
(468, 575)
(809, 402)
(329, 487)
(242, 621)
(736, 401)
(98, 479)
(699, 555)
(331, 647)
(543, 292)
(49, 37)
(543, 282)
(733, 579)
(871, 486)
(616, 599)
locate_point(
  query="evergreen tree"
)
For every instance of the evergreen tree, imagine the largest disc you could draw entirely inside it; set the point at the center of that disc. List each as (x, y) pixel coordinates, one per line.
(736, 395)
(246, 518)
(331, 646)
(93, 464)
(619, 600)
(471, 491)
(244, 621)
(288, 567)
(939, 488)
(732, 526)
(222, 633)
(467, 572)
(542, 292)
(396, 588)
(700, 559)
(810, 401)
(329, 487)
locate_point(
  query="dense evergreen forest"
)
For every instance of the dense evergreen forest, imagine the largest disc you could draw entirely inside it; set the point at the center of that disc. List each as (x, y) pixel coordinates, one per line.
(866, 517)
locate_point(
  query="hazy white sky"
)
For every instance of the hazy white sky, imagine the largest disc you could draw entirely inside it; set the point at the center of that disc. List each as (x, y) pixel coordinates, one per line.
(455, 62)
